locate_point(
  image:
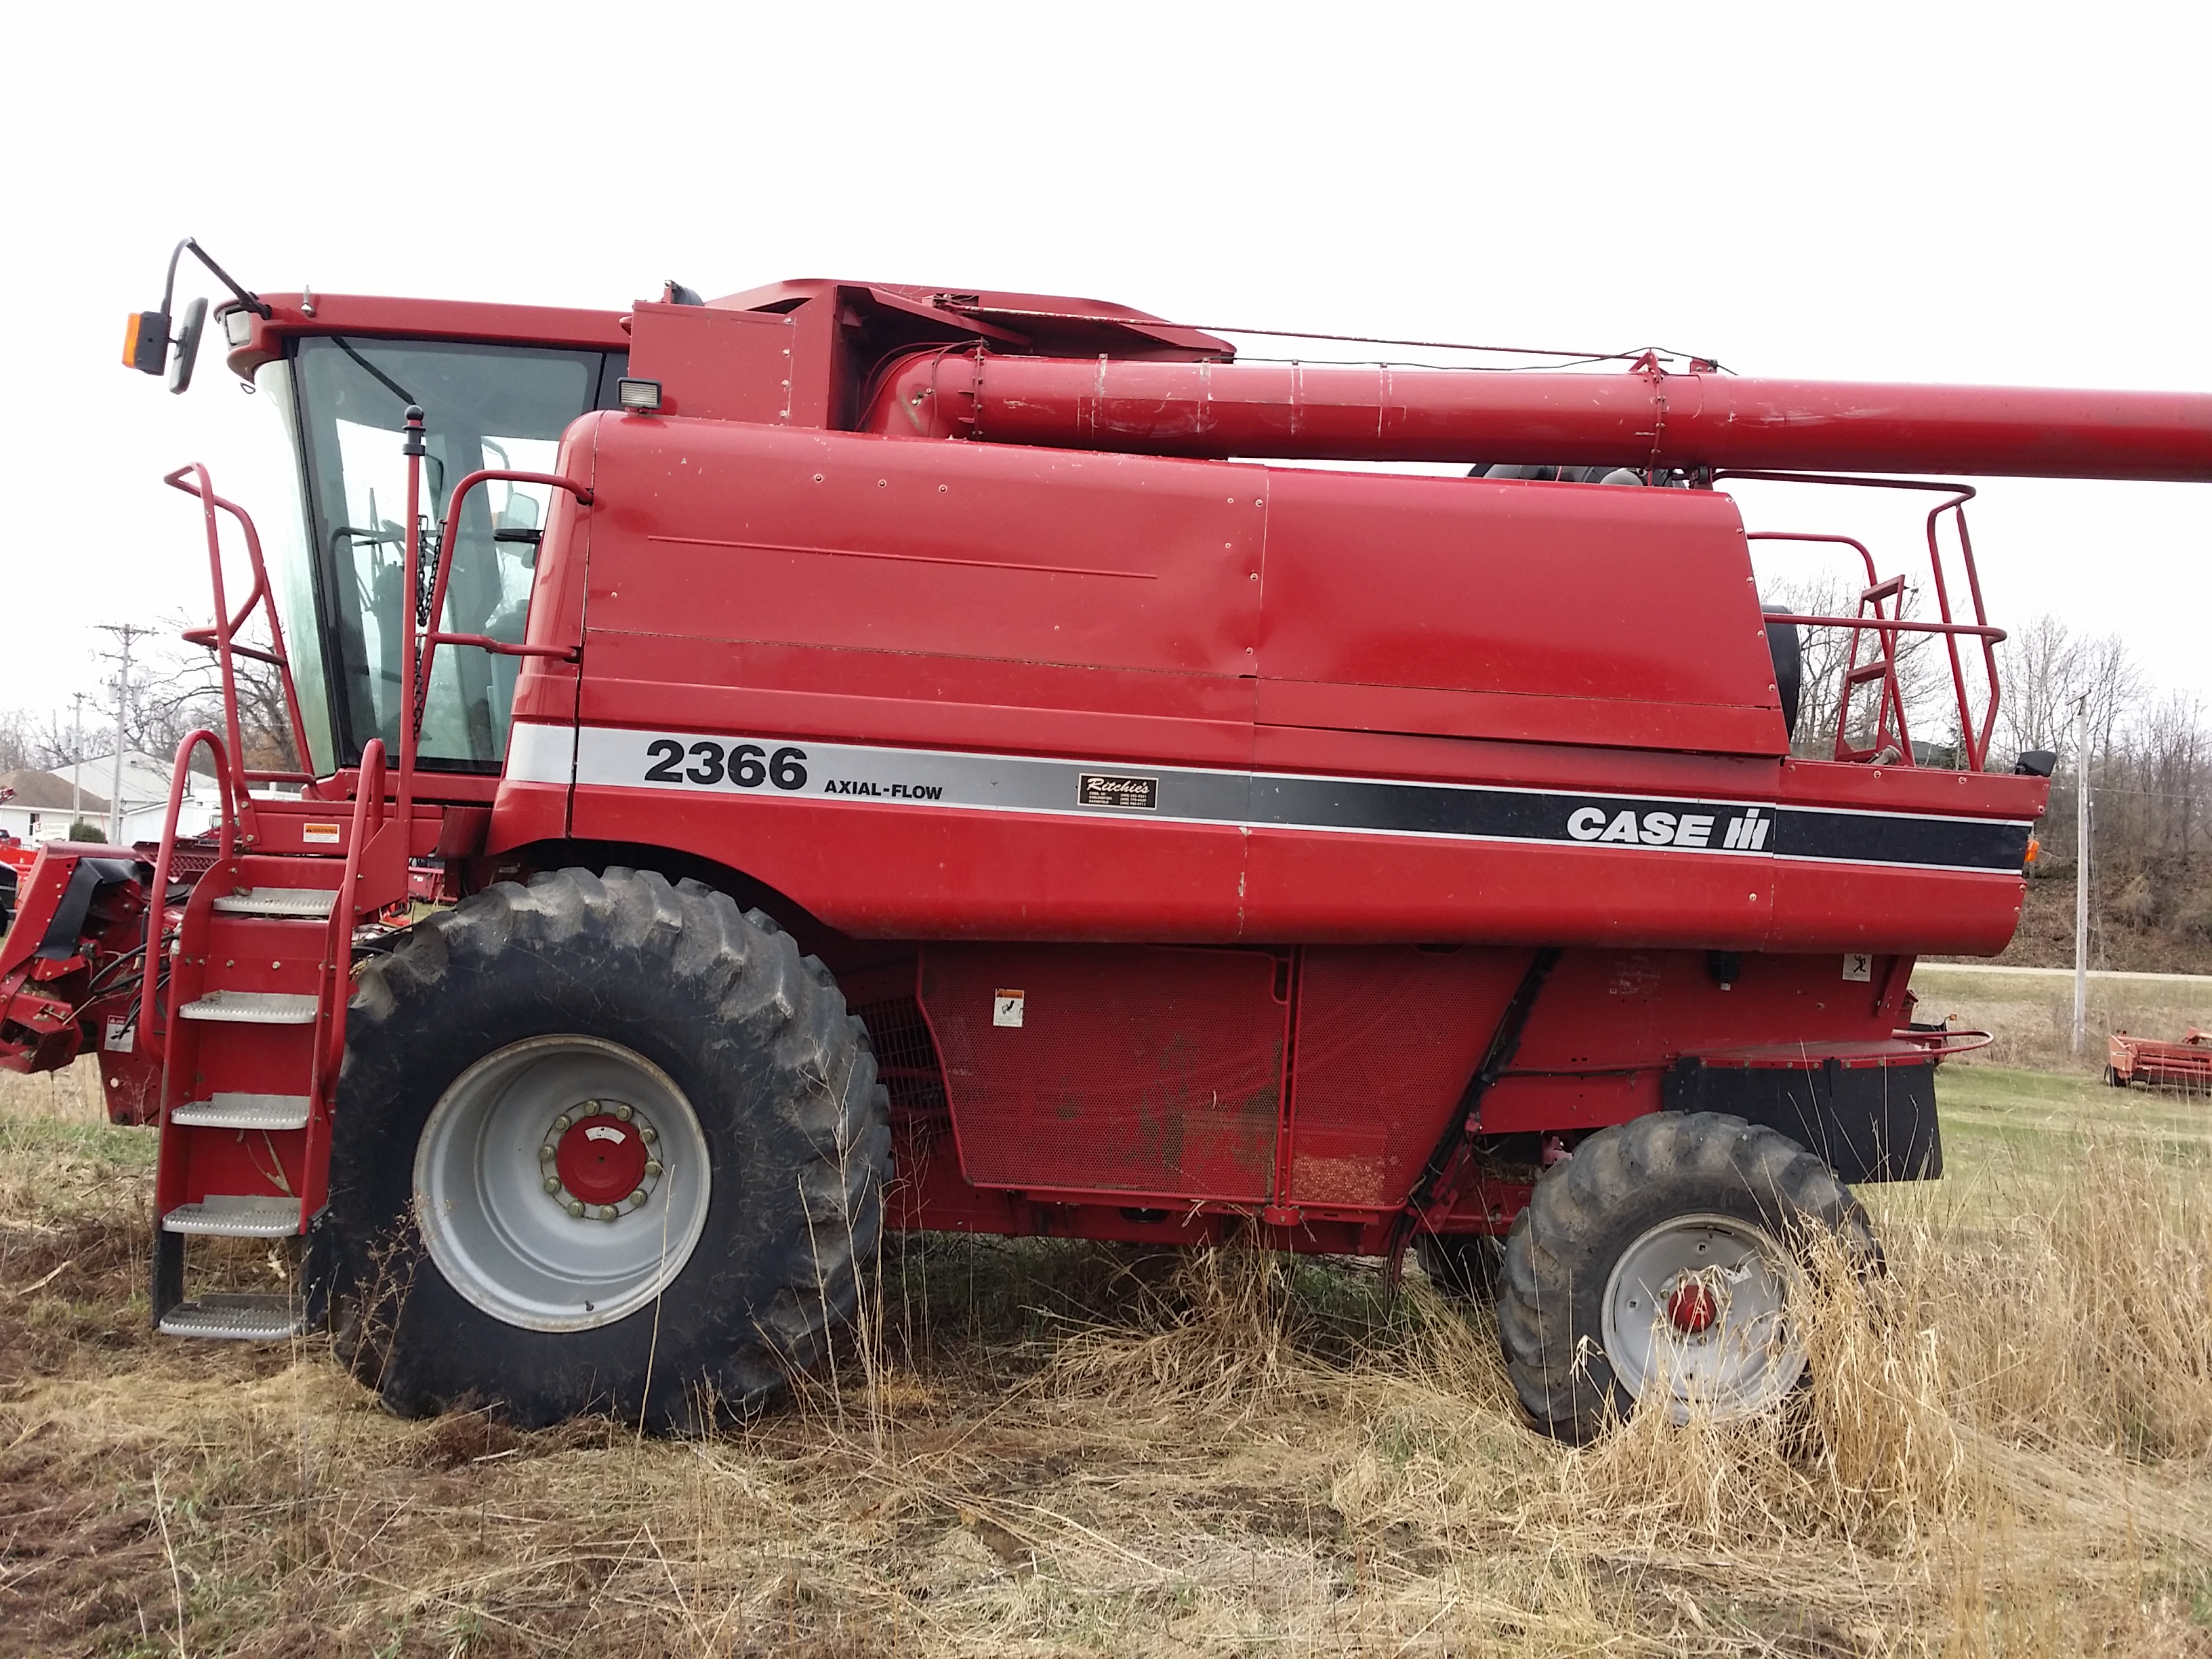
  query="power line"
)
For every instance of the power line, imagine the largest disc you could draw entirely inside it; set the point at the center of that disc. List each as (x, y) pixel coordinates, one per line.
(129, 634)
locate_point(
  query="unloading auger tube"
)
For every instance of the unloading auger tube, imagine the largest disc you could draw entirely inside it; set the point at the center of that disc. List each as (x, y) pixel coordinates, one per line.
(1646, 418)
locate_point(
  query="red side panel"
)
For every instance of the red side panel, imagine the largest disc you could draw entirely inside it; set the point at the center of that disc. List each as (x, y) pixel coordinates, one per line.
(1881, 904)
(1605, 1010)
(1551, 612)
(721, 365)
(1156, 1072)
(1387, 1039)
(1453, 711)
(971, 559)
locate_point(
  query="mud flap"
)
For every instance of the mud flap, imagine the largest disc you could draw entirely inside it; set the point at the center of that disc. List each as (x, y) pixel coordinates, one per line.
(1869, 1122)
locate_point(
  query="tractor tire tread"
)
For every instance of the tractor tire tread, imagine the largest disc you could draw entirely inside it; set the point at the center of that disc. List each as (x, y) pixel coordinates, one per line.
(1545, 1303)
(745, 980)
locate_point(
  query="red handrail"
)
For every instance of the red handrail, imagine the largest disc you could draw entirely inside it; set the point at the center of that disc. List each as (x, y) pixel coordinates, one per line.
(221, 637)
(368, 793)
(1943, 1044)
(415, 666)
(1977, 744)
(1886, 624)
(158, 896)
(431, 641)
(1974, 738)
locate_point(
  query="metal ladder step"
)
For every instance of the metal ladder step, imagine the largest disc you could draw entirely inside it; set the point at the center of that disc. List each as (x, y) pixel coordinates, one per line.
(234, 1111)
(240, 1318)
(253, 1008)
(296, 903)
(222, 1215)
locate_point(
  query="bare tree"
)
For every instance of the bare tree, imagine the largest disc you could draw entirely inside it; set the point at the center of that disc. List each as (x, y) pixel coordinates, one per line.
(1923, 675)
(18, 741)
(2047, 670)
(2155, 783)
(182, 689)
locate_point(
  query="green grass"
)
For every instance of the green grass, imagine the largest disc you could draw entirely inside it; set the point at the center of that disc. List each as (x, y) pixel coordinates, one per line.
(98, 1142)
(1989, 1108)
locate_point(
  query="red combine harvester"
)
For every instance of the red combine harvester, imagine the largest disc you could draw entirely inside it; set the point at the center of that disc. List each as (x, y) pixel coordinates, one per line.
(892, 764)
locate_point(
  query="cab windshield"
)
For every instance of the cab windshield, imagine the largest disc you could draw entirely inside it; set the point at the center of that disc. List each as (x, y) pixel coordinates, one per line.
(486, 406)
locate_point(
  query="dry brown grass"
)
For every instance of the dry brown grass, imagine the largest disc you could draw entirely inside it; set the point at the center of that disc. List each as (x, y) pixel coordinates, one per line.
(1056, 1448)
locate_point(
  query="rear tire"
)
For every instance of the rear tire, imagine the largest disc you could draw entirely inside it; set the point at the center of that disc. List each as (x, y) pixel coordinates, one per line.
(1660, 1260)
(482, 1248)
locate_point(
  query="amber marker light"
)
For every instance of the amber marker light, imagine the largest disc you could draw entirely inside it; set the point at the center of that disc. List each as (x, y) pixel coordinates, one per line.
(145, 340)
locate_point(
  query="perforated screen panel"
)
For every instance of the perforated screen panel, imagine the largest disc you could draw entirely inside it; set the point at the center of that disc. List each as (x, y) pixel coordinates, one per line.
(1138, 1069)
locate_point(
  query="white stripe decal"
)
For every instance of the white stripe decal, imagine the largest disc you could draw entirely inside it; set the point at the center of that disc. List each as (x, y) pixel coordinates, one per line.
(783, 768)
(541, 754)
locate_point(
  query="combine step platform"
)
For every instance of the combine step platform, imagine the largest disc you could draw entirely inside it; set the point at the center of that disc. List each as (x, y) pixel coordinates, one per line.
(258, 959)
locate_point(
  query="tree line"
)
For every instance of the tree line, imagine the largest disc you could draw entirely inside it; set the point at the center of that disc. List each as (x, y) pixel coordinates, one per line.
(174, 689)
(2148, 762)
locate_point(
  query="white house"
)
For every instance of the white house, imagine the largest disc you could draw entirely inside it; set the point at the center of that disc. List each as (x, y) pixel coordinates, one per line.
(35, 805)
(145, 795)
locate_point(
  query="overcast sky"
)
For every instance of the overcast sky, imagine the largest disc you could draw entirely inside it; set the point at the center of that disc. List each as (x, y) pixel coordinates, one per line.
(1927, 192)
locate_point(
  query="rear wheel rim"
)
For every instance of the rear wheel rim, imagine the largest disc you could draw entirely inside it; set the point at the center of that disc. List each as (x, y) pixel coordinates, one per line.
(1698, 1319)
(497, 1216)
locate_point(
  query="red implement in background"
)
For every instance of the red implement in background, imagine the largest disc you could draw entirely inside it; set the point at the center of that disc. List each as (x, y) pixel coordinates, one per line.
(2183, 1065)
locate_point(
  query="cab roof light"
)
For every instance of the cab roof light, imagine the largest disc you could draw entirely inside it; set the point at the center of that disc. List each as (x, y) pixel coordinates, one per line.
(640, 397)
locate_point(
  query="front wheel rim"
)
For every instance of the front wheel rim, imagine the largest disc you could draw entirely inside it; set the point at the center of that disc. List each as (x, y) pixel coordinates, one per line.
(1698, 1319)
(515, 1178)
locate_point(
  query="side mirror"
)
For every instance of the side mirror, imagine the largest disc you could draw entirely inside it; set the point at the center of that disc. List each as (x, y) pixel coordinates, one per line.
(146, 339)
(188, 345)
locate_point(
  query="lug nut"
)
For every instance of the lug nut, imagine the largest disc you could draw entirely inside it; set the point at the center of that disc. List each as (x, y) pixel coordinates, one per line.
(608, 1213)
(638, 1197)
(589, 1109)
(652, 1166)
(623, 1113)
(561, 1124)
(548, 1153)
(647, 1133)
(576, 1208)
(552, 1183)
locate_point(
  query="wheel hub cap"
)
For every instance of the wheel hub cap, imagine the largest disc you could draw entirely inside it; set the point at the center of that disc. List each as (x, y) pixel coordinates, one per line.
(1697, 1314)
(598, 1159)
(1692, 1308)
(532, 1172)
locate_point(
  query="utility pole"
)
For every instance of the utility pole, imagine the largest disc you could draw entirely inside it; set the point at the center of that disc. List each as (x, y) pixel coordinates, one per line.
(128, 633)
(2081, 875)
(77, 761)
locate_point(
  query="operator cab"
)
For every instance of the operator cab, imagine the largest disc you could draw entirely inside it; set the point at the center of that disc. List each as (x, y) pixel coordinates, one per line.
(339, 588)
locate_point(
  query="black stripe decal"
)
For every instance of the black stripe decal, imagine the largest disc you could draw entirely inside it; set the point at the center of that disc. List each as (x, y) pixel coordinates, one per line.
(1880, 838)
(783, 769)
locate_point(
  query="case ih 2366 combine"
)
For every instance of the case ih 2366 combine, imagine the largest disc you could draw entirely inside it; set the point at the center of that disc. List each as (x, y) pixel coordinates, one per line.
(893, 766)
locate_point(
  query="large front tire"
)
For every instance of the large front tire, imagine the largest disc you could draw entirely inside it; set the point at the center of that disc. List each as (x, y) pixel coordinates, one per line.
(602, 1142)
(1659, 1262)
